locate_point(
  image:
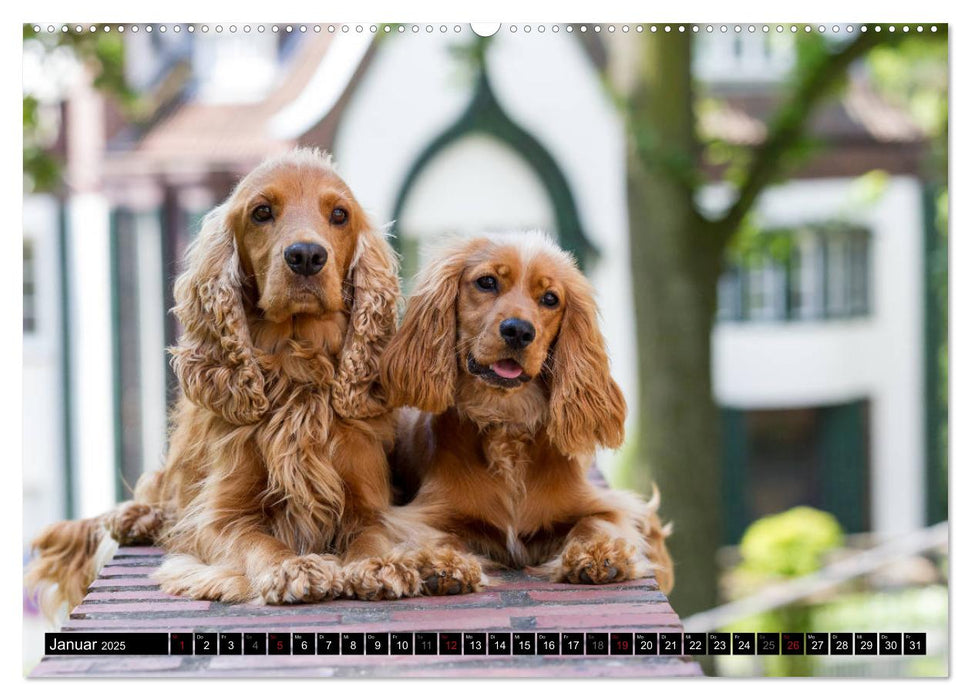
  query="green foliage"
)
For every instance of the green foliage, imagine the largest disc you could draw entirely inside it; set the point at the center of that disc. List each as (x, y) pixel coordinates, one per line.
(789, 544)
(913, 75)
(923, 609)
(868, 189)
(103, 53)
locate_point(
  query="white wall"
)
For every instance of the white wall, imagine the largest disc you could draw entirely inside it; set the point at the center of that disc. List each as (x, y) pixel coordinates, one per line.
(91, 361)
(477, 184)
(151, 341)
(43, 453)
(880, 357)
(409, 94)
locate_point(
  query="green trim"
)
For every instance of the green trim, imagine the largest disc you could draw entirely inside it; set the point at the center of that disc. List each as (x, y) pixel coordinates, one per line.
(485, 115)
(159, 214)
(824, 274)
(844, 473)
(116, 378)
(935, 345)
(167, 263)
(736, 514)
(67, 413)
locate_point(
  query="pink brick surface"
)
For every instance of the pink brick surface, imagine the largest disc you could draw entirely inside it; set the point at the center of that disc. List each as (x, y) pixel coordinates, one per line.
(594, 595)
(124, 552)
(131, 582)
(145, 594)
(122, 571)
(126, 598)
(87, 609)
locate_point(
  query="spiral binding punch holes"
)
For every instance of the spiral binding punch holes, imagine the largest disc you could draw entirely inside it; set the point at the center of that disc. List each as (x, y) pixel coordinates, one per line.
(483, 29)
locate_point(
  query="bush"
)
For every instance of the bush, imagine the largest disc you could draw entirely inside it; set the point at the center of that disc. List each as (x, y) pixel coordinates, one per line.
(789, 544)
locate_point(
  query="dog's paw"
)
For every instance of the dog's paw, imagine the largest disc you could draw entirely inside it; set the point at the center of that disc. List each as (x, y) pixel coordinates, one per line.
(382, 578)
(303, 579)
(446, 571)
(601, 559)
(135, 523)
(184, 575)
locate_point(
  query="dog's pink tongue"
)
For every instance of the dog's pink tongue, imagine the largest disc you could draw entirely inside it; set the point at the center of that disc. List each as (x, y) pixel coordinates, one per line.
(507, 369)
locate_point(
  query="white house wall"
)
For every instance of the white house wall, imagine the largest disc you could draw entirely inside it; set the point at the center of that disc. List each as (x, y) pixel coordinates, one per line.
(43, 453)
(91, 366)
(410, 93)
(151, 342)
(489, 187)
(779, 365)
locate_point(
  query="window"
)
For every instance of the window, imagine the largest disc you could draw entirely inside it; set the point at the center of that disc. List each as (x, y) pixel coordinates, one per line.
(805, 278)
(800, 274)
(765, 298)
(837, 276)
(859, 265)
(743, 58)
(848, 263)
(30, 290)
(730, 295)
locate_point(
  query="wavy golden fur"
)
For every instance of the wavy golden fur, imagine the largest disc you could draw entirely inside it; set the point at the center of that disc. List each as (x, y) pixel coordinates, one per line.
(277, 472)
(501, 352)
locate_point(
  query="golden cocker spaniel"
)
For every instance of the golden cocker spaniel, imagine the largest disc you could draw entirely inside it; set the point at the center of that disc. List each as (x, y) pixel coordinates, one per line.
(501, 351)
(277, 472)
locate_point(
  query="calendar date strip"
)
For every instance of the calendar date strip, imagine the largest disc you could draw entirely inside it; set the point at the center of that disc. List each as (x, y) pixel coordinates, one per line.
(486, 643)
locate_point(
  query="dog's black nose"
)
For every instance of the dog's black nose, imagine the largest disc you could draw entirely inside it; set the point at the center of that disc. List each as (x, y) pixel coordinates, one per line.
(517, 333)
(306, 259)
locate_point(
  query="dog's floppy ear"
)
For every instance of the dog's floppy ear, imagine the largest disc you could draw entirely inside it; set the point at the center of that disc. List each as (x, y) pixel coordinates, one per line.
(420, 366)
(587, 408)
(372, 286)
(214, 359)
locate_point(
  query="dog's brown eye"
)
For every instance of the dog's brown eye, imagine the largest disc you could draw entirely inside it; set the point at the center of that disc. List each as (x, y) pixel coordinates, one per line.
(487, 283)
(339, 216)
(550, 299)
(262, 214)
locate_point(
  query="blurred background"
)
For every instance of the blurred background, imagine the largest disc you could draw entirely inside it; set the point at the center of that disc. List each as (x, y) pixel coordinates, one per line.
(762, 210)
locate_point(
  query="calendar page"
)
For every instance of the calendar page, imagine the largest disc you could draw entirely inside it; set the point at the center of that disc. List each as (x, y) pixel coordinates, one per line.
(514, 349)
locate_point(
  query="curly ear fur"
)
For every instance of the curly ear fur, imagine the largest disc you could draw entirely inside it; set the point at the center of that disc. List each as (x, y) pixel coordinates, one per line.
(587, 407)
(420, 367)
(374, 291)
(215, 360)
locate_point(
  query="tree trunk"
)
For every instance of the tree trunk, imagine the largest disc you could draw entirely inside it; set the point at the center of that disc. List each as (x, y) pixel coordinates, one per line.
(676, 258)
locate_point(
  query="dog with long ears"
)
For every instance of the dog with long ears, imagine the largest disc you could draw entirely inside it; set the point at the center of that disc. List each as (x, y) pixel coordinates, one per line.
(277, 472)
(501, 353)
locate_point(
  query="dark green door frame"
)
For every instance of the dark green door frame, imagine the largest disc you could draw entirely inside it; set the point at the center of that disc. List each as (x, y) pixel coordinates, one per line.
(485, 116)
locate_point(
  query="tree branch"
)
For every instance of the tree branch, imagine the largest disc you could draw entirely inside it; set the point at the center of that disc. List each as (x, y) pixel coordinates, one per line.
(790, 122)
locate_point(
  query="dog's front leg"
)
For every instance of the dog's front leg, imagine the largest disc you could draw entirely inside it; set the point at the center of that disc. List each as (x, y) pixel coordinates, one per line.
(280, 575)
(250, 566)
(605, 546)
(617, 537)
(387, 562)
(231, 557)
(134, 523)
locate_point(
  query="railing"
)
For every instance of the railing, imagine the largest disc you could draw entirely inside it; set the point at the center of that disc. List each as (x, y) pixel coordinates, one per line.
(773, 597)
